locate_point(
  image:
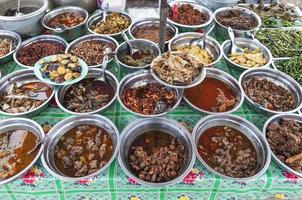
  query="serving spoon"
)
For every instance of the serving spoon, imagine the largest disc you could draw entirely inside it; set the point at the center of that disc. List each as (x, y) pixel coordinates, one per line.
(234, 48)
(105, 13)
(133, 51)
(18, 13)
(201, 41)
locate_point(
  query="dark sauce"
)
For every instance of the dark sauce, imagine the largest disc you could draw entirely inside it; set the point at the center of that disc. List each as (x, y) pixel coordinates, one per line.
(228, 151)
(25, 10)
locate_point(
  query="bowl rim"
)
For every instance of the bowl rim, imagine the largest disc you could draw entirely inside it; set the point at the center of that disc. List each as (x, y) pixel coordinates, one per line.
(52, 38)
(92, 37)
(279, 73)
(196, 6)
(60, 105)
(134, 67)
(16, 37)
(216, 43)
(173, 181)
(23, 71)
(264, 131)
(246, 40)
(100, 13)
(201, 76)
(29, 15)
(146, 72)
(57, 128)
(41, 136)
(255, 15)
(250, 126)
(38, 73)
(152, 20)
(72, 8)
(239, 104)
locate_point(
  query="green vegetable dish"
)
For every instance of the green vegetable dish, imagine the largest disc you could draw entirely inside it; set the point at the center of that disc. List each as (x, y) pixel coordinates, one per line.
(281, 42)
(292, 67)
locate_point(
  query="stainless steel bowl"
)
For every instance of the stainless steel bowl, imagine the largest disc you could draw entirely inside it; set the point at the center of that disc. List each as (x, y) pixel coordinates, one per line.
(278, 78)
(140, 44)
(63, 127)
(245, 127)
(22, 77)
(92, 73)
(275, 118)
(89, 5)
(70, 33)
(215, 4)
(104, 39)
(140, 126)
(211, 45)
(245, 43)
(198, 79)
(15, 37)
(202, 9)
(99, 16)
(27, 25)
(222, 30)
(25, 124)
(141, 78)
(149, 22)
(51, 38)
(231, 82)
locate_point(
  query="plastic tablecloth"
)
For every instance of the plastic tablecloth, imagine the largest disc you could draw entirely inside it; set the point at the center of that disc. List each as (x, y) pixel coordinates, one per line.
(38, 184)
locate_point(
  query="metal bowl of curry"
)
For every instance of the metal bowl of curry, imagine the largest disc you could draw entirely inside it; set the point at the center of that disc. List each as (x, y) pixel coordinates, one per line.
(218, 93)
(22, 94)
(80, 147)
(231, 147)
(21, 146)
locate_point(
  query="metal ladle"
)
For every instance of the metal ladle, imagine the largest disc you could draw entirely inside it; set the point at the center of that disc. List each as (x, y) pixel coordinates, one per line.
(201, 41)
(133, 51)
(234, 48)
(18, 13)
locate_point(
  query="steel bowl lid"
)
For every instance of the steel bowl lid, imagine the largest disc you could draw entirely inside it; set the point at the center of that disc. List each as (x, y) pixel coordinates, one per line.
(140, 126)
(246, 128)
(141, 78)
(27, 124)
(278, 78)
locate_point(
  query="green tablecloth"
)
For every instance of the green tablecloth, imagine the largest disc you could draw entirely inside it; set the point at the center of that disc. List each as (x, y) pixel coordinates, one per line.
(114, 184)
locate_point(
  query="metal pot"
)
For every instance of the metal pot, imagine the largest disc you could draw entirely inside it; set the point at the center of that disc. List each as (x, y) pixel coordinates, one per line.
(140, 126)
(27, 25)
(246, 128)
(25, 124)
(70, 33)
(63, 127)
(89, 5)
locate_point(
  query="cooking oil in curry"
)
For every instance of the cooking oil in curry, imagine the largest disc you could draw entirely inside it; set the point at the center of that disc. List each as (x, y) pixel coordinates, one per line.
(204, 95)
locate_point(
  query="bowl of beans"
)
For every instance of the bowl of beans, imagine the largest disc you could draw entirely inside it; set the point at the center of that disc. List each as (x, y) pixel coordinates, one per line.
(66, 21)
(156, 151)
(189, 16)
(140, 94)
(242, 20)
(92, 48)
(32, 50)
(114, 25)
(148, 29)
(9, 42)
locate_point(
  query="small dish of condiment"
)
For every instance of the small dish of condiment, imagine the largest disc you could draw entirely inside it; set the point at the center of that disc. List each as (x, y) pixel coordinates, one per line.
(61, 69)
(114, 25)
(178, 69)
(21, 93)
(33, 49)
(156, 151)
(92, 48)
(231, 147)
(21, 142)
(140, 94)
(218, 93)
(75, 99)
(80, 147)
(284, 135)
(148, 29)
